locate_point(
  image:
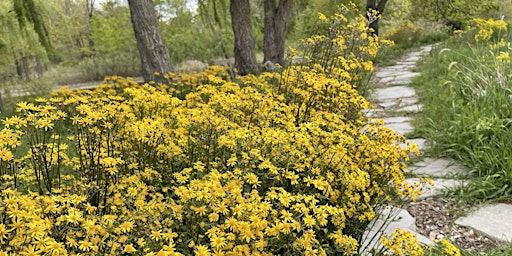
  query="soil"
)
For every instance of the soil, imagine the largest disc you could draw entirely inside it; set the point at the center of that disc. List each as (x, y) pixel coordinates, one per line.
(435, 219)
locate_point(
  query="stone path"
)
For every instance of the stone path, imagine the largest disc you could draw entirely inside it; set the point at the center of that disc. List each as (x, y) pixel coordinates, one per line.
(394, 101)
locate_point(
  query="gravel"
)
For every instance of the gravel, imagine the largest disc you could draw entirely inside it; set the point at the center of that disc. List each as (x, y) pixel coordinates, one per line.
(435, 219)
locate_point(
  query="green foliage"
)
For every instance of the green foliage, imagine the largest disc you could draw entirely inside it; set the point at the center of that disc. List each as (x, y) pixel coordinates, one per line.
(70, 29)
(284, 163)
(188, 38)
(466, 88)
(451, 10)
(31, 11)
(112, 32)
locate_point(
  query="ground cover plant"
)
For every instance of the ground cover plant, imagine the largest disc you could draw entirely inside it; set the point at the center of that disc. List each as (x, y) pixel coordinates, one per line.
(466, 89)
(211, 164)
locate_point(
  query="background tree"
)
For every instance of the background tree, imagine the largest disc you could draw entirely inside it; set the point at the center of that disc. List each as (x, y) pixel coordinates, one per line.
(245, 56)
(214, 13)
(452, 12)
(71, 29)
(30, 11)
(152, 50)
(276, 28)
(374, 10)
(115, 47)
(21, 45)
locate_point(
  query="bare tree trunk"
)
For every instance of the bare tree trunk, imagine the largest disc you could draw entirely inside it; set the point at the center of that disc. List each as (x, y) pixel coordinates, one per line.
(25, 67)
(374, 10)
(215, 34)
(276, 27)
(89, 5)
(245, 57)
(1, 103)
(152, 50)
(19, 69)
(39, 67)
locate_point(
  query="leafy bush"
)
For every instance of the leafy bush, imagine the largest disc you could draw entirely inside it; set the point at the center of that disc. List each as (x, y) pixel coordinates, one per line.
(277, 164)
(404, 35)
(473, 80)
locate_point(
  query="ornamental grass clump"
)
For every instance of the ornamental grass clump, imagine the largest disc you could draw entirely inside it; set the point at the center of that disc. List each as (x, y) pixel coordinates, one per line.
(283, 163)
(475, 81)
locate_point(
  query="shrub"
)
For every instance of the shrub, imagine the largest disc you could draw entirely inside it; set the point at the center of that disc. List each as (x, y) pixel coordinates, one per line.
(474, 81)
(277, 164)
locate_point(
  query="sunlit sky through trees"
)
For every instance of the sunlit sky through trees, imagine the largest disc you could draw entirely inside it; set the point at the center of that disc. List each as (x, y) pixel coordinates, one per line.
(191, 4)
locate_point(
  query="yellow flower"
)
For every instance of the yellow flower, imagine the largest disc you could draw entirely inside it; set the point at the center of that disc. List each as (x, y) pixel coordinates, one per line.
(218, 242)
(201, 250)
(3, 232)
(156, 235)
(309, 221)
(85, 245)
(126, 226)
(449, 248)
(129, 248)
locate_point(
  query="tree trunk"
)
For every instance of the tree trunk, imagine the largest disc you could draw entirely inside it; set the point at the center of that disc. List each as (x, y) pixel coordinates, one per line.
(152, 50)
(245, 57)
(276, 27)
(39, 67)
(215, 35)
(374, 10)
(19, 69)
(25, 68)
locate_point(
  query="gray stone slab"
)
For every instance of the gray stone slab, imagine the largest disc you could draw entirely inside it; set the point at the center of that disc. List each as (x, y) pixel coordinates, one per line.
(400, 128)
(395, 72)
(395, 92)
(406, 63)
(408, 101)
(386, 79)
(428, 190)
(420, 143)
(397, 119)
(412, 58)
(408, 75)
(388, 105)
(441, 167)
(494, 221)
(412, 108)
(426, 48)
(404, 81)
(386, 222)
(372, 112)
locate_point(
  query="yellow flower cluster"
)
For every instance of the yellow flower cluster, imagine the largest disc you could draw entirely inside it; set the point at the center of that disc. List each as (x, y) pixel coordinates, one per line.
(486, 28)
(403, 243)
(282, 164)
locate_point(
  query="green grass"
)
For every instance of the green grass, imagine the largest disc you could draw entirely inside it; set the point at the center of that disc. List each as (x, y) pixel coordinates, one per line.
(467, 94)
(467, 115)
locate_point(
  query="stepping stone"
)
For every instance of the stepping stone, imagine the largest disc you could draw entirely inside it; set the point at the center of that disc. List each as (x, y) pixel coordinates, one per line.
(409, 75)
(413, 58)
(400, 128)
(384, 224)
(387, 79)
(442, 167)
(420, 143)
(407, 63)
(426, 48)
(403, 79)
(388, 105)
(494, 221)
(395, 92)
(400, 119)
(428, 190)
(372, 112)
(392, 73)
(409, 101)
(412, 108)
